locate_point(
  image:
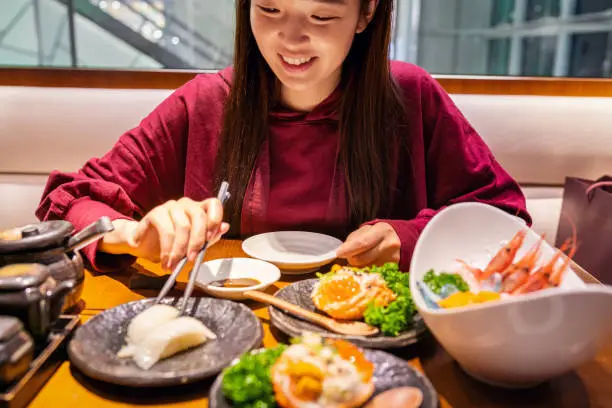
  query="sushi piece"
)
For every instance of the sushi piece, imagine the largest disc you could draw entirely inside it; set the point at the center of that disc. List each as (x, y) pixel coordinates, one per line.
(169, 339)
(317, 373)
(144, 323)
(161, 333)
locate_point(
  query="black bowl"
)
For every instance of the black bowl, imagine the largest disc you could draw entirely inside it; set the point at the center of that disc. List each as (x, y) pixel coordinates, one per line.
(298, 293)
(93, 349)
(389, 372)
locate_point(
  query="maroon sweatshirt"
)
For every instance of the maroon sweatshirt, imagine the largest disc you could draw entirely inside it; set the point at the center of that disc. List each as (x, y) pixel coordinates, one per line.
(295, 183)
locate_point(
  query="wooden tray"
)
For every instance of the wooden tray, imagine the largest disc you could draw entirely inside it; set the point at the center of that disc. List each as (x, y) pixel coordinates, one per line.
(47, 358)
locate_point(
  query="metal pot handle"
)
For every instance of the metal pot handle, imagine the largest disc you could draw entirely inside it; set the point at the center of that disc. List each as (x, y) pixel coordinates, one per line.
(89, 234)
(61, 289)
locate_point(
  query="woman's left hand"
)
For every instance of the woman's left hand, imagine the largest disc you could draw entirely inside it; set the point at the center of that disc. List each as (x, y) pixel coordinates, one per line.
(371, 245)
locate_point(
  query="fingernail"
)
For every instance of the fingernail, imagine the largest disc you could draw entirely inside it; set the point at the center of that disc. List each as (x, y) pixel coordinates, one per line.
(192, 256)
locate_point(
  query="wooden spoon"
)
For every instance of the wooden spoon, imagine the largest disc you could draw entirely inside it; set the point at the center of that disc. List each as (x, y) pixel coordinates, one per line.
(347, 328)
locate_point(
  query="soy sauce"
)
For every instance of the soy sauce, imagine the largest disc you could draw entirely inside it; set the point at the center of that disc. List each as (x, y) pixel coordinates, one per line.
(235, 283)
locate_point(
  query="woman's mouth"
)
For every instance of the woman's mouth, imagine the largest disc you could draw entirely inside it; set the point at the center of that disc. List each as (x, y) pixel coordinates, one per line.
(296, 64)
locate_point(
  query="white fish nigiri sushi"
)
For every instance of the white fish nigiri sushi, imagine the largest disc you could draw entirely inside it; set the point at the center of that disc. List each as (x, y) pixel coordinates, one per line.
(161, 334)
(170, 338)
(144, 323)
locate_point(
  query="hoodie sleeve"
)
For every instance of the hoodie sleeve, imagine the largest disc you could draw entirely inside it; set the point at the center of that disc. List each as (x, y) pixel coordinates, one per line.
(459, 167)
(143, 169)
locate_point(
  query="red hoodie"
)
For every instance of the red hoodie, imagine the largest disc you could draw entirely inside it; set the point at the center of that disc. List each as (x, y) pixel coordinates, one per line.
(295, 183)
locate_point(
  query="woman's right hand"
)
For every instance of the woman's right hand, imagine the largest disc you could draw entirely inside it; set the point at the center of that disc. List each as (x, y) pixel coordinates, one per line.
(168, 232)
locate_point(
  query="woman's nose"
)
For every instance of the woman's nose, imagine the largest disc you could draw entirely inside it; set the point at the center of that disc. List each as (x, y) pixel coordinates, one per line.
(293, 32)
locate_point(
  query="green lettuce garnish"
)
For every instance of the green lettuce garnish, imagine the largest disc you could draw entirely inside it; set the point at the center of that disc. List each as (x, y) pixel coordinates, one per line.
(398, 315)
(437, 281)
(248, 383)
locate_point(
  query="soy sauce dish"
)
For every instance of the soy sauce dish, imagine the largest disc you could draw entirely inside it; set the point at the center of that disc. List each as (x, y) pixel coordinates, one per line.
(229, 278)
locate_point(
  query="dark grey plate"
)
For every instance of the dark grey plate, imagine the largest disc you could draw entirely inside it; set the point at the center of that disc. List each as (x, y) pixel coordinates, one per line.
(389, 372)
(298, 293)
(93, 349)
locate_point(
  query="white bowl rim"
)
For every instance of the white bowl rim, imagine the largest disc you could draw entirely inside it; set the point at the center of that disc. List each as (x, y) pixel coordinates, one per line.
(314, 259)
(274, 269)
(545, 293)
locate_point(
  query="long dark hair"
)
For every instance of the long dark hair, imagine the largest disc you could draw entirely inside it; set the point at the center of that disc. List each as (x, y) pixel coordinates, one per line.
(370, 116)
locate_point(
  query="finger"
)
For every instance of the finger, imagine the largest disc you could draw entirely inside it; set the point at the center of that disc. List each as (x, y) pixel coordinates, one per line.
(364, 239)
(214, 215)
(222, 231)
(368, 257)
(161, 220)
(135, 239)
(182, 228)
(341, 252)
(388, 250)
(197, 236)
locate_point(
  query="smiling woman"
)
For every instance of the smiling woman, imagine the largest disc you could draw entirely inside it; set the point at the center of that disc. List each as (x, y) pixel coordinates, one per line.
(313, 127)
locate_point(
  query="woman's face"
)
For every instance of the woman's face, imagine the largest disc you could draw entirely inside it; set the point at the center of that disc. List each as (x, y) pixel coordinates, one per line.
(306, 41)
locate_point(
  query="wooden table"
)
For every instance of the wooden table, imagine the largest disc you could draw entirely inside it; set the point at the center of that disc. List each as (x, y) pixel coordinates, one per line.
(589, 386)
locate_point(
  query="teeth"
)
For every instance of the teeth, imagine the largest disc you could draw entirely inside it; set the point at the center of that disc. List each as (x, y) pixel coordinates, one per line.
(296, 61)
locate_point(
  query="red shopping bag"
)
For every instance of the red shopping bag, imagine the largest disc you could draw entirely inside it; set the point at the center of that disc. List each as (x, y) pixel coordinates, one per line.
(588, 204)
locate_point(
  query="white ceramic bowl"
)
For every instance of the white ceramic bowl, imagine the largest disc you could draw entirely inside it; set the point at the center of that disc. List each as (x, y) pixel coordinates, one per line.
(233, 268)
(294, 252)
(518, 342)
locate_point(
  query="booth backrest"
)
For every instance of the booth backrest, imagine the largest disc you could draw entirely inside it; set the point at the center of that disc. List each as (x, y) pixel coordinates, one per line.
(539, 139)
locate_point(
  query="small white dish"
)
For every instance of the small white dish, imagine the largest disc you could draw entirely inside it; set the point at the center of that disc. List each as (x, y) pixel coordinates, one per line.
(517, 342)
(234, 268)
(294, 252)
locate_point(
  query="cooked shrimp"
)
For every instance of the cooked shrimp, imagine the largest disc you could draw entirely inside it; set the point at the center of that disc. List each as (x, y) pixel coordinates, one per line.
(502, 260)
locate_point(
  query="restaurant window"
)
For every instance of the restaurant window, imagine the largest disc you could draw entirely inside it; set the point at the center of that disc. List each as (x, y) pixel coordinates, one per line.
(538, 57)
(591, 55)
(557, 38)
(537, 9)
(499, 54)
(503, 12)
(592, 6)
(456, 37)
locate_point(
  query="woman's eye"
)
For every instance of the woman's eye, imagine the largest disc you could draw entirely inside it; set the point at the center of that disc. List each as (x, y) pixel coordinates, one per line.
(320, 18)
(268, 10)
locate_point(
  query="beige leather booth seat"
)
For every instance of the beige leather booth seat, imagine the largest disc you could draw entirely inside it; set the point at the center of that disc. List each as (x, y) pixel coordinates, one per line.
(539, 140)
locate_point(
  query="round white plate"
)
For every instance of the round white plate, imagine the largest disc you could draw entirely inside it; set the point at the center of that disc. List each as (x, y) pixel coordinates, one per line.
(294, 252)
(233, 268)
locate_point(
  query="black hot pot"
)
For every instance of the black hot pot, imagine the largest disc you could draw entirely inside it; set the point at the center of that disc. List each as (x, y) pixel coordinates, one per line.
(52, 246)
(28, 292)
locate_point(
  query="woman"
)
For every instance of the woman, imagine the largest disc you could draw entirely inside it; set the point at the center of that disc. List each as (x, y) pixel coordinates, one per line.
(313, 128)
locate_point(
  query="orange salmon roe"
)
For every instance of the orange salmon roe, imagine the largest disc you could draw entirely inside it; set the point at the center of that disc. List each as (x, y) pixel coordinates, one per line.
(351, 353)
(339, 289)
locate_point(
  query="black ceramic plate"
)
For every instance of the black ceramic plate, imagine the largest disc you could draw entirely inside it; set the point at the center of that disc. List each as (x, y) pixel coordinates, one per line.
(299, 294)
(93, 350)
(389, 372)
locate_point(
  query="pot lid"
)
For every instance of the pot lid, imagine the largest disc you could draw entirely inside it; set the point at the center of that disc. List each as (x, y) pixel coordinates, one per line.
(34, 237)
(9, 327)
(21, 276)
